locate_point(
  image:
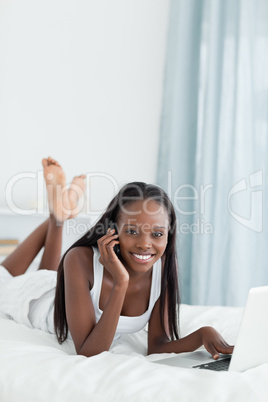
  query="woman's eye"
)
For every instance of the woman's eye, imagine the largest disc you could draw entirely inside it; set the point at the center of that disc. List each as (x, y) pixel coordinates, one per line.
(131, 231)
(157, 234)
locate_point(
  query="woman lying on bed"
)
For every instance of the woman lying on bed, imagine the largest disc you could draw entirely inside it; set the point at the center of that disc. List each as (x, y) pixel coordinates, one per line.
(121, 275)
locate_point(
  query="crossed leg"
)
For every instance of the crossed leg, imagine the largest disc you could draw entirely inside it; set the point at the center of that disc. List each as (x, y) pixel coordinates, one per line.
(49, 233)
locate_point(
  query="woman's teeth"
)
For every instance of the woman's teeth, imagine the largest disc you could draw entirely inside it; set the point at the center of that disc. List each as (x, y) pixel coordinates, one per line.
(142, 257)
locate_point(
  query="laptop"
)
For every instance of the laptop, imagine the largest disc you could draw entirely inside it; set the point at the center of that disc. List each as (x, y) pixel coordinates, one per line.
(251, 348)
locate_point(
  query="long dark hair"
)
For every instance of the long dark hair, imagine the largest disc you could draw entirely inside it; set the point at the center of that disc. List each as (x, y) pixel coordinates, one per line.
(130, 193)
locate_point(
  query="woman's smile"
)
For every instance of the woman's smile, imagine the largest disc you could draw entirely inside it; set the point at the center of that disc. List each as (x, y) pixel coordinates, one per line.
(142, 258)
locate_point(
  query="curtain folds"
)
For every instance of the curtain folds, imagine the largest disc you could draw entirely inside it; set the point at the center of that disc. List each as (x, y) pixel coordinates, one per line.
(213, 148)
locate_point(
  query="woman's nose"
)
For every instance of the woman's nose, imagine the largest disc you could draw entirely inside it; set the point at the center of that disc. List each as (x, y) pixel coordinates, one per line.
(144, 243)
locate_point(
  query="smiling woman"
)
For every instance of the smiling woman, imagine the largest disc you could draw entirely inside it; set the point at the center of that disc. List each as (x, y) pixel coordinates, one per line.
(146, 233)
(100, 293)
(139, 279)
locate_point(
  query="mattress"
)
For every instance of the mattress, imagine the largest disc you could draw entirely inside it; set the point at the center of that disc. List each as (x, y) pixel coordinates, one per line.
(34, 367)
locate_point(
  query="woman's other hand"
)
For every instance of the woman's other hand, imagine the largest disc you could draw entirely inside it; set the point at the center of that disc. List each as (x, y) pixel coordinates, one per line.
(214, 342)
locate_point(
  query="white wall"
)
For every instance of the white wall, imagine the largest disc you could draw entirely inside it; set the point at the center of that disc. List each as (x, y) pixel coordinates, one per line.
(81, 81)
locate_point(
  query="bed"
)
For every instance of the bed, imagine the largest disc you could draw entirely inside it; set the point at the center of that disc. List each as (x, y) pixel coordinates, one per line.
(34, 367)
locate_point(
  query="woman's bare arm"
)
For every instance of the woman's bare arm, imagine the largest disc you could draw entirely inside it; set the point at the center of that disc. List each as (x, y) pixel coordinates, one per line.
(90, 338)
(159, 342)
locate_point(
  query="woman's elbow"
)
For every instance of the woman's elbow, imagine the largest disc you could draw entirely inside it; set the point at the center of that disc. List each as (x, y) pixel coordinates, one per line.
(90, 352)
(153, 348)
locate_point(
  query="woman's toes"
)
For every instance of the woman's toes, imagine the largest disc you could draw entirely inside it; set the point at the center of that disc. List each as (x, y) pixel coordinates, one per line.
(44, 162)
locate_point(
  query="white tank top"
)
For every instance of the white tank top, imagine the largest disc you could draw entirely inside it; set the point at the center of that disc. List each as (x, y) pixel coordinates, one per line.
(126, 324)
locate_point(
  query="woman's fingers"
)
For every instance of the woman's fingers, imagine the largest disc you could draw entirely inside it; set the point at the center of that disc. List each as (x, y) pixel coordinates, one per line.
(111, 254)
(109, 259)
(106, 246)
(104, 241)
(213, 351)
(111, 245)
(110, 233)
(226, 349)
(214, 342)
(216, 349)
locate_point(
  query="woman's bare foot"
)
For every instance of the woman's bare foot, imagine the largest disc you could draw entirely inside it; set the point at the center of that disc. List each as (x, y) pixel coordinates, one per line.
(75, 192)
(57, 193)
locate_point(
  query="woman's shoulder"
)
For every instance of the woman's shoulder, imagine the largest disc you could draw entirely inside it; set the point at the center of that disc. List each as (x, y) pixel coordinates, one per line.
(80, 253)
(80, 261)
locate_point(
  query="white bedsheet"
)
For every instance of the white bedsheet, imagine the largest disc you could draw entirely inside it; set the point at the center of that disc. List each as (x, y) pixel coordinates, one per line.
(34, 367)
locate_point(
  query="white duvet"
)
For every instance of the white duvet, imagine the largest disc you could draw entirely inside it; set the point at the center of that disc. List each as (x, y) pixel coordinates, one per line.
(34, 367)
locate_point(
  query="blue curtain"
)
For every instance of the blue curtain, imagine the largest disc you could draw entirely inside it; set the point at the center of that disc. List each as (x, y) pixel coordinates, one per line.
(213, 150)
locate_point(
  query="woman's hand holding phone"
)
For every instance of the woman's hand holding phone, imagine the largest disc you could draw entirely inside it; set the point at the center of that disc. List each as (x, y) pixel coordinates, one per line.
(110, 260)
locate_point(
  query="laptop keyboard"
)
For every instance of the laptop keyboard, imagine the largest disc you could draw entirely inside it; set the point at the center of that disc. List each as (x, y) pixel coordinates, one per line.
(218, 365)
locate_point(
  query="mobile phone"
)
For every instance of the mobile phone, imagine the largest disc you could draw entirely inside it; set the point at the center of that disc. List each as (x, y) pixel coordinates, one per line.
(116, 247)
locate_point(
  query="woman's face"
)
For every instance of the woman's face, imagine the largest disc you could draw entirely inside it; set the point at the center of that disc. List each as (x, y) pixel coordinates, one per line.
(143, 232)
